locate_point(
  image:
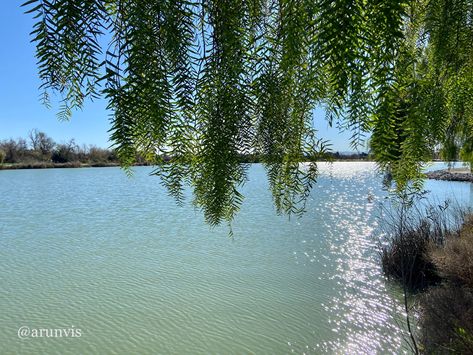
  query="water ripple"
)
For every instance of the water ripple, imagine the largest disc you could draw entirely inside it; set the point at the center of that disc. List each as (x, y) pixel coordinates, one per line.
(115, 257)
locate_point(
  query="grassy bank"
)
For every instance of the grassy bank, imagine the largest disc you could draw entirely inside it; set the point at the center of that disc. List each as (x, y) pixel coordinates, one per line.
(431, 255)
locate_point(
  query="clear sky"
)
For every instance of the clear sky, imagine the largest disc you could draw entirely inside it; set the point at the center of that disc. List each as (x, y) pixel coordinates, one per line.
(21, 110)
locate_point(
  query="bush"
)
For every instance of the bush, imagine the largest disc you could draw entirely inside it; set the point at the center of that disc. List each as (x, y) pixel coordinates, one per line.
(14, 150)
(414, 236)
(64, 153)
(425, 249)
(99, 155)
(2, 156)
(411, 235)
(446, 320)
(405, 259)
(454, 261)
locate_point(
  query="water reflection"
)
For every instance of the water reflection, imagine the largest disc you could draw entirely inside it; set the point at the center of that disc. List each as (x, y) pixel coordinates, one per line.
(140, 275)
(360, 311)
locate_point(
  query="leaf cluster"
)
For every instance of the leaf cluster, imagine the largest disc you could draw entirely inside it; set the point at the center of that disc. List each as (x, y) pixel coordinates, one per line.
(202, 82)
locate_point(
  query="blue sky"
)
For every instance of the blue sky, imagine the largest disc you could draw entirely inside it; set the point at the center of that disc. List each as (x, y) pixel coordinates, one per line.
(21, 110)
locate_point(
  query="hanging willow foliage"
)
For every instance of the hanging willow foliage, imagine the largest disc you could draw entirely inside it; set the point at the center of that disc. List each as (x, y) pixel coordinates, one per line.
(194, 85)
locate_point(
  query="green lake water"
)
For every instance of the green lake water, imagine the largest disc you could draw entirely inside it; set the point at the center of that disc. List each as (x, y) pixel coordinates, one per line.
(113, 256)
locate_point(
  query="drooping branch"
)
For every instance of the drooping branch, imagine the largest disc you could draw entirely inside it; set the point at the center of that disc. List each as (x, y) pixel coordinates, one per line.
(195, 84)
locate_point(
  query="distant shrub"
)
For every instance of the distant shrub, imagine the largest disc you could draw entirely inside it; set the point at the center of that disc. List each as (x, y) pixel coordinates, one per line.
(42, 151)
(446, 320)
(14, 150)
(99, 155)
(64, 153)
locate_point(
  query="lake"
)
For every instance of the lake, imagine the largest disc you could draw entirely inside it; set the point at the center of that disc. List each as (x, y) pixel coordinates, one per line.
(115, 258)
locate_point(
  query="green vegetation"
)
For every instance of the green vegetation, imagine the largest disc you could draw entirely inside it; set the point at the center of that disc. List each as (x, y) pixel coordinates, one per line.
(40, 151)
(431, 254)
(205, 81)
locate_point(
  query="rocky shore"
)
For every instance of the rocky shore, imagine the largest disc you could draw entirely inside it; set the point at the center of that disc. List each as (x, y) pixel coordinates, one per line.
(451, 175)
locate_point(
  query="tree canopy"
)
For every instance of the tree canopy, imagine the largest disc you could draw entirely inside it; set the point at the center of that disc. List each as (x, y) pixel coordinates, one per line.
(204, 81)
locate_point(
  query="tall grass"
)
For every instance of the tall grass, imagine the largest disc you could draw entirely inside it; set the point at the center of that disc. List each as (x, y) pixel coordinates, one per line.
(410, 233)
(430, 252)
(446, 320)
(454, 261)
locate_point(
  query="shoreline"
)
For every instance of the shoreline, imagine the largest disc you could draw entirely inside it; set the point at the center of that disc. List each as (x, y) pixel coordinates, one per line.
(46, 165)
(77, 165)
(460, 175)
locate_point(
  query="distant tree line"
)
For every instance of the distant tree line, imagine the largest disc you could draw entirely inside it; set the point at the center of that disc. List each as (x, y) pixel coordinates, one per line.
(38, 147)
(40, 150)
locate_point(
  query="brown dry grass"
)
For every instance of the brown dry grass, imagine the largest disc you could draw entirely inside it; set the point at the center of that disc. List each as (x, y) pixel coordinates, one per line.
(446, 320)
(446, 317)
(454, 261)
(434, 254)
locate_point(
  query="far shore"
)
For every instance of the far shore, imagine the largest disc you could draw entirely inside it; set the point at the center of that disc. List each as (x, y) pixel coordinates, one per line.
(454, 174)
(48, 165)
